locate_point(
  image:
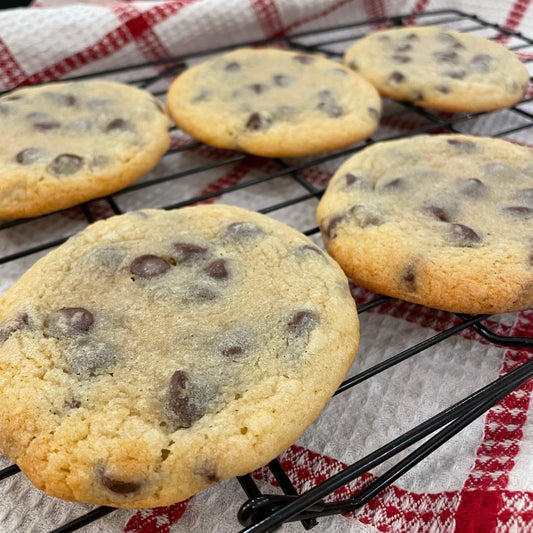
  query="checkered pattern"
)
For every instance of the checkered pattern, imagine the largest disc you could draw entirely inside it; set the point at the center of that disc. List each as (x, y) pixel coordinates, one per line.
(482, 480)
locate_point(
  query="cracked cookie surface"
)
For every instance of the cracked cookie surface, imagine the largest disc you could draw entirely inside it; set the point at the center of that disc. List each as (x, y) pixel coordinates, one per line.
(156, 353)
(69, 142)
(274, 103)
(439, 68)
(445, 221)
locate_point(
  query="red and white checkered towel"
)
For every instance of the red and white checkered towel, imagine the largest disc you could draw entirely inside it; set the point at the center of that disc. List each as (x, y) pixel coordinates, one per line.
(480, 481)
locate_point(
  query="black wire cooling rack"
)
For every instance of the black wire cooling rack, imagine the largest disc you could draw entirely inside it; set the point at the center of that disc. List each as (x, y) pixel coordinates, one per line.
(302, 182)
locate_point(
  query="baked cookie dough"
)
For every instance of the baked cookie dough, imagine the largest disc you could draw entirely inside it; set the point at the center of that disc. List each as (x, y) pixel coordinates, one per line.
(156, 353)
(444, 221)
(439, 68)
(274, 103)
(65, 143)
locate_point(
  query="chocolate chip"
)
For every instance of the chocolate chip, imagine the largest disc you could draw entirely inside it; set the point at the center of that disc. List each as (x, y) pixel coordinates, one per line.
(89, 357)
(42, 121)
(68, 322)
(472, 187)
(181, 402)
(185, 251)
(82, 125)
(518, 211)
(233, 66)
(65, 165)
(256, 122)
(97, 103)
(438, 213)
(408, 278)
(457, 74)
(526, 195)
(199, 293)
(446, 57)
(29, 156)
(481, 63)
(207, 471)
(62, 99)
(115, 485)
(339, 71)
(330, 108)
(463, 145)
(109, 258)
(235, 342)
(373, 112)
(281, 80)
(462, 235)
(399, 58)
(396, 77)
(303, 59)
(309, 250)
(202, 95)
(330, 224)
(353, 65)
(403, 48)
(8, 327)
(367, 215)
(412, 37)
(394, 185)
(243, 231)
(384, 38)
(98, 161)
(301, 323)
(449, 39)
(501, 171)
(4, 110)
(72, 403)
(118, 124)
(148, 266)
(217, 269)
(258, 88)
(443, 89)
(353, 181)
(285, 111)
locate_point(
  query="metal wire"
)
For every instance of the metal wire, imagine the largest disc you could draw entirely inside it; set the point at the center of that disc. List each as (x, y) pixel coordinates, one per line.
(262, 512)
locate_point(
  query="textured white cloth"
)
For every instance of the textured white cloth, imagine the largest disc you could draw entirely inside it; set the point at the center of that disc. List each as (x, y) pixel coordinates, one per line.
(481, 480)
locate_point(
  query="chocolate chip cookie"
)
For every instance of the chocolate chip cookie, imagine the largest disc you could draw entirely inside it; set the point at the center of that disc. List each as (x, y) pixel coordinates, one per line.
(441, 220)
(65, 143)
(156, 353)
(274, 103)
(439, 68)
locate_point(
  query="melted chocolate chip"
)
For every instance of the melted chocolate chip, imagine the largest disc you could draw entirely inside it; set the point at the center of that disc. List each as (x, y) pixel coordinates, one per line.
(68, 322)
(285, 111)
(235, 343)
(525, 195)
(118, 124)
(88, 357)
(281, 80)
(457, 74)
(408, 278)
(472, 187)
(217, 269)
(148, 266)
(438, 213)
(184, 251)
(449, 39)
(256, 122)
(518, 211)
(339, 71)
(42, 121)
(397, 77)
(462, 235)
(8, 327)
(463, 145)
(400, 58)
(395, 185)
(373, 112)
(82, 125)
(243, 232)
(181, 401)
(446, 57)
(412, 37)
(258, 88)
(353, 65)
(355, 182)
(443, 89)
(115, 485)
(202, 95)
(303, 59)
(330, 108)
(330, 224)
(233, 66)
(199, 293)
(109, 258)
(99, 161)
(208, 471)
(309, 250)
(97, 103)
(301, 323)
(501, 171)
(367, 215)
(481, 63)
(403, 48)
(61, 99)
(29, 156)
(65, 165)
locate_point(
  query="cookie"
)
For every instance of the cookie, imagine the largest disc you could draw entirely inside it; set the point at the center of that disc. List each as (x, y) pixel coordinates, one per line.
(439, 68)
(274, 103)
(444, 221)
(65, 143)
(156, 353)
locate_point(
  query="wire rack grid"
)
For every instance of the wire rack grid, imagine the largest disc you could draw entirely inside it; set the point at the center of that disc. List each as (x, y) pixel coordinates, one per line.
(191, 173)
